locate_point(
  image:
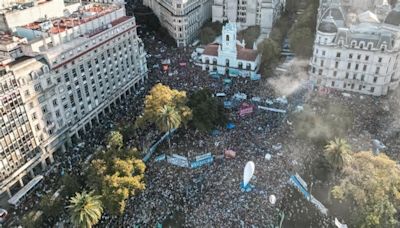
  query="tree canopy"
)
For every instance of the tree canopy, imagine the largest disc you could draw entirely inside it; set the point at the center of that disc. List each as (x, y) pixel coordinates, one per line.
(116, 174)
(249, 35)
(210, 31)
(337, 153)
(372, 184)
(270, 51)
(301, 35)
(85, 209)
(155, 104)
(207, 111)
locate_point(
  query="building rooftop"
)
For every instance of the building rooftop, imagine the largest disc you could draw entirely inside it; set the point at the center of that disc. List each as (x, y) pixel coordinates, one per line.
(85, 14)
(242, 53)
(21, 5)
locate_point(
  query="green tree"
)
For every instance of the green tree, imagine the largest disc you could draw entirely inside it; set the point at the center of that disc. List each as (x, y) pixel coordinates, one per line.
(270, 51)
(210, 31)
(207, 35)
(372, 185)
(301, 41)
(337, 153)
(116, 174)
(85, 209)
(70, 185)
(32, 219)
(301, 34)
(50, 206)
(207, 111)
(249, 35)
(167, 120)
(115, 140)
(159, 98)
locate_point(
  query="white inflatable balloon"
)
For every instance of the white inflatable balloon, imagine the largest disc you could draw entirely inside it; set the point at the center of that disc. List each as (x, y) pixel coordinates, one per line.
(248, 172)
(272, 199)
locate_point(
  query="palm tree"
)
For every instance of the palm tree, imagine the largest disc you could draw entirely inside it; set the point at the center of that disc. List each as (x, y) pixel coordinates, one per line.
(85, 209)
(167, 120)
(337, 153)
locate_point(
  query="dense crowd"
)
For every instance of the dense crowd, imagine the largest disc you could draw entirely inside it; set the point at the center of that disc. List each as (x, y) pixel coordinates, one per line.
(210, 196)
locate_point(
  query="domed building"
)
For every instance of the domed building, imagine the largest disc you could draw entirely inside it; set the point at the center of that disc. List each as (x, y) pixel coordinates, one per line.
(361, 56)
(393, 18)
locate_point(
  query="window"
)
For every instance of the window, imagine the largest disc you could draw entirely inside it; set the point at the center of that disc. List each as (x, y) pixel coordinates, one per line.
(354, 76)
(348, 65)
(347, 75)
(377, 70)
(357, 66)
(366, 58)
(55, 102)
(320, 72)
(227, 38)
(372, 89)
(350, 56)
(358, 57)
(323, 53)
(369, 46)
(362, 77)
(338, 55)
(333, 84)
(359, 87)
(379, 60)
(322, 63)
(334, 73)
(375, 79)
(336, 64)
(66, 77)
(365, 68)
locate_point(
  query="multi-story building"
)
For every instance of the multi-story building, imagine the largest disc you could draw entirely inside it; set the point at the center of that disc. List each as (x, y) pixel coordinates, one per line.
(230, 56)
(59, 78)
(247, 13)
(183, 19)
(362, 57)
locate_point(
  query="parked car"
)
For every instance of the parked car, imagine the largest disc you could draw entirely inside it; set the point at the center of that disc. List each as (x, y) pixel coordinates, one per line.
(3, 215)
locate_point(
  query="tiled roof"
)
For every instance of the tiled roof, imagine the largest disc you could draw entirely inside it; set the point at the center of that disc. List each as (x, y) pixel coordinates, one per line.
(211, 49)
(242, 53)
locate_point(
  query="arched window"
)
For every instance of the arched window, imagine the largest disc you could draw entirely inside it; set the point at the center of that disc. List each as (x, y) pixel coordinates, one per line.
(227, 37)
(227, 62)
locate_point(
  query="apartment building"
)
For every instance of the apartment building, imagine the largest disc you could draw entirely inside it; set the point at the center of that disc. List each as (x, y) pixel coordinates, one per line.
(362, 57)
(182, 18)
(247, 13)
(59, 76)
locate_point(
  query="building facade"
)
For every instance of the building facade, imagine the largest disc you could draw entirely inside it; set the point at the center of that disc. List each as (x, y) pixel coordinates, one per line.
(247, 13)
(230, 56)
(182, 18)
(69, 73)
(362, 57)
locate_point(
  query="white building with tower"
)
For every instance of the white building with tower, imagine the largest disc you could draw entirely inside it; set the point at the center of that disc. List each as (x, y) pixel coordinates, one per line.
(247, 13)
(230, 56)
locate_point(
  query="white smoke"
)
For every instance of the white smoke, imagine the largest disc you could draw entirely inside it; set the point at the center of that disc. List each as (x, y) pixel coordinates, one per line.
(284, 84)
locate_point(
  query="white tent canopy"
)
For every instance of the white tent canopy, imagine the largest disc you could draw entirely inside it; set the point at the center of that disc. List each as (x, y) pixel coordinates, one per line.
(15, 200)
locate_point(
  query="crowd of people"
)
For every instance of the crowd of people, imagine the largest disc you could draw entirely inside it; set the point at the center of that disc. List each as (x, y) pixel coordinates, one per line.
(211, 195)
(208, 196)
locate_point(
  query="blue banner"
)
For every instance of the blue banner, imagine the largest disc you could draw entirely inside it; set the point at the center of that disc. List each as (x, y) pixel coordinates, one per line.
(201, 162)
